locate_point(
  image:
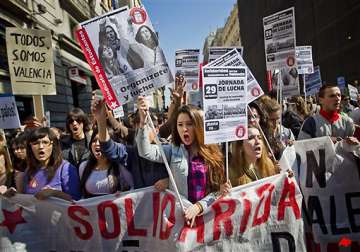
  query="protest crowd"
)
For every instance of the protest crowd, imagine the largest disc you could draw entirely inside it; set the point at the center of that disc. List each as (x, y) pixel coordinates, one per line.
(96, 155)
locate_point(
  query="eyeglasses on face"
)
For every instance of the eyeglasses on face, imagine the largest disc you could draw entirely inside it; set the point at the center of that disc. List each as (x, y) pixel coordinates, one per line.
(44, 143)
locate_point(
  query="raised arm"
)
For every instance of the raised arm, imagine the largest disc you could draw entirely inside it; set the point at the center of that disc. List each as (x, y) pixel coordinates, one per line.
(145, 148)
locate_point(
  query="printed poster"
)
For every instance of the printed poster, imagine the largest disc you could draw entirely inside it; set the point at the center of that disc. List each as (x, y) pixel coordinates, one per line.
(304, 59)
(124, 53)
(225, 103)
(313, 82)
(234, 58)
(280, 41)
(218, 51)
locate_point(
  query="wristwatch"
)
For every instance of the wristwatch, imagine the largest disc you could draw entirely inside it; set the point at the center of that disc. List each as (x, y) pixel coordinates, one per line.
(338, 139)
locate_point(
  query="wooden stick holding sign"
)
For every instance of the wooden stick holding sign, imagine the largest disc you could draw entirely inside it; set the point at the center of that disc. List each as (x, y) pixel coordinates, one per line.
(171, 177)
(227, 160)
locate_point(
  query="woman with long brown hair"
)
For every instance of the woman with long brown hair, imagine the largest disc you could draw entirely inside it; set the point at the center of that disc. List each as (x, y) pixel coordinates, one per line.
(197, 168)
(47, 173)
(250, 159)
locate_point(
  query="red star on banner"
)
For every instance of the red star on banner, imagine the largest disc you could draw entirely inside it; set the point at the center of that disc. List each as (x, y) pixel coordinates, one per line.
(345, 242)
(12, 219)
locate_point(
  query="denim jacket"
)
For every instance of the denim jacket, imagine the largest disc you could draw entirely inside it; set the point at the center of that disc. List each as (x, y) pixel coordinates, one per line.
(177, 156)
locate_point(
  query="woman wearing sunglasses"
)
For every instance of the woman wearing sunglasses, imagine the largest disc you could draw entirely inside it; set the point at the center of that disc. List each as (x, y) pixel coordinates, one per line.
(47, 173)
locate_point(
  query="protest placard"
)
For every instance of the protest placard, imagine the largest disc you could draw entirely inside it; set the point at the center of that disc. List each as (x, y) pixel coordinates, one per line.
(234, 58)
(304, 59)
(225, 103)
(124, 54)
(118, 112)
(31, 64)
(187, 64)
(9, 116)
(313, 81)
(261, 216)
(353, 92)
(218, 51)
(280, 41)
(328, 177)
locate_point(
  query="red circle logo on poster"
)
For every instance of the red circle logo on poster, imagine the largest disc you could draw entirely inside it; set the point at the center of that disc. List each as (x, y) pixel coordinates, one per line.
(290, 61)
(255, 91)
(138, 15)
(240, 131)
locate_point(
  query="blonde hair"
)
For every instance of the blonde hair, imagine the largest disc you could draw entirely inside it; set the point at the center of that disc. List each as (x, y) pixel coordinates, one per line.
(239, 165)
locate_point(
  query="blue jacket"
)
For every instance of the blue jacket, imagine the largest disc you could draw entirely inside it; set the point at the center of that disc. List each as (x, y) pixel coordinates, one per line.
(145, 173)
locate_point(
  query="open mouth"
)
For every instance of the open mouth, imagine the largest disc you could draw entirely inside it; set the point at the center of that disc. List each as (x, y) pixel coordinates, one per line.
(186, 138)
(257, 149)
(41, 154)
(97, 152)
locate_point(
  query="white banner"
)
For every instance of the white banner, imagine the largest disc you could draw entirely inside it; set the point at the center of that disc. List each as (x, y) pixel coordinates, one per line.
(261, 216)
(31, 63)
(233, 58)
(329, 177)
(9, 116)
(353, 92)
(225, 106)
(304, 59)
(124, 54)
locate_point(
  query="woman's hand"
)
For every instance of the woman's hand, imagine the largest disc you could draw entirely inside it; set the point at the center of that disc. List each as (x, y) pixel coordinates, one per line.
(225, 188)
(178, 92)
(191, 213)
(7, 192)
(143, 109)
(162, 184)
(48, 192)
(98, 108)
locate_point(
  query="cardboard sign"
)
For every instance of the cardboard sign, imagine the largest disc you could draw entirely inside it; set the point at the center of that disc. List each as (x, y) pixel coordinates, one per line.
(9, 116)
(31, 64)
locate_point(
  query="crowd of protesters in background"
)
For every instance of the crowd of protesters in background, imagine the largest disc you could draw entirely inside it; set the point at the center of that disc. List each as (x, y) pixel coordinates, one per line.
(106, 156)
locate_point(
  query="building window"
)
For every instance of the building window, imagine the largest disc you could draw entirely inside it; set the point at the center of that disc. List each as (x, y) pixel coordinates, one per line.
(73, 25)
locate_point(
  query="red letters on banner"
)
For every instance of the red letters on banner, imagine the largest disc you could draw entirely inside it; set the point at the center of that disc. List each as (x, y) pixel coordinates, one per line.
(164, 234)
(132, 231)
(156, 207)
(102, 220)
(88, 229)
(261, 191)
(288, 192)
(224, 217)
(199, 228)
(223, 210)
(246, 213)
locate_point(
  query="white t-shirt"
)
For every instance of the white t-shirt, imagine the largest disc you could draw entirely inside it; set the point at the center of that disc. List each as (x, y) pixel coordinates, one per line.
(98, 183)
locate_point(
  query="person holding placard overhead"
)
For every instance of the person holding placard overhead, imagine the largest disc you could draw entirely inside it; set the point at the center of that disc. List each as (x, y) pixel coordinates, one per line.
(198, 169)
